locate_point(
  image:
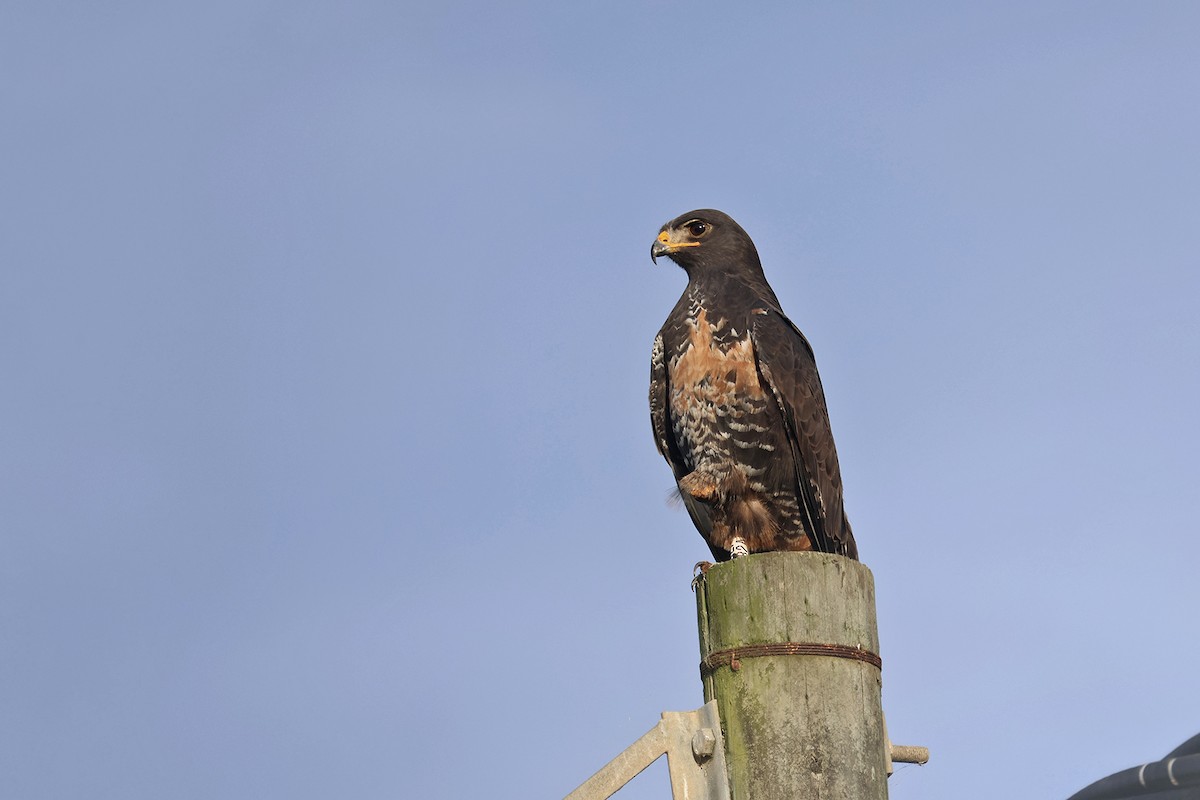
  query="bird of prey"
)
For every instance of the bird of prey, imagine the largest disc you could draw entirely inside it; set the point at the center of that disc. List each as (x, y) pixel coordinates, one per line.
(736, 403)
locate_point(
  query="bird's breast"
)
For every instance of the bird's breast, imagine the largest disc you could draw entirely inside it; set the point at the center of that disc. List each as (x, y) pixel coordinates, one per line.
(714, 380)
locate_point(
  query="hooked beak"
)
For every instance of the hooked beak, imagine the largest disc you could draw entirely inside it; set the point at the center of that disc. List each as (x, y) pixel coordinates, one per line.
(658, 249)
(664, 245)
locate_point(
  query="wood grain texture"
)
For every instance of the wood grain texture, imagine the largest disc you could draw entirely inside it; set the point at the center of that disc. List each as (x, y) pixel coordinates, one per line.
(804, 726)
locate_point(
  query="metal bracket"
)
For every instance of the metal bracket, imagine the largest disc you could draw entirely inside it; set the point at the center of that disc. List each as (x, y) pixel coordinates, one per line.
(905, 754)
(695, 753)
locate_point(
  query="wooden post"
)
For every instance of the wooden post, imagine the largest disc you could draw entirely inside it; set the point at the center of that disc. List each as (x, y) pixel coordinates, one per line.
(789, 651)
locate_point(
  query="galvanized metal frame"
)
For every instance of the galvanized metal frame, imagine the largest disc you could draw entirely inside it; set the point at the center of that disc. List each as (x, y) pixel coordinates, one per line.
(695, 751)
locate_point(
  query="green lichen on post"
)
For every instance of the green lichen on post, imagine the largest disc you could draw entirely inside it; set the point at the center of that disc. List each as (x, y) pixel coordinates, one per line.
(795, 725)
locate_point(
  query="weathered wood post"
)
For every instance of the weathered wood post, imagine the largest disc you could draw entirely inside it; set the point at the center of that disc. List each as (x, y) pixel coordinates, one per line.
(789, 651)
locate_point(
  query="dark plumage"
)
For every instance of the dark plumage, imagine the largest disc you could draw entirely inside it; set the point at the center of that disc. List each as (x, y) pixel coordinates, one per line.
(736, 403)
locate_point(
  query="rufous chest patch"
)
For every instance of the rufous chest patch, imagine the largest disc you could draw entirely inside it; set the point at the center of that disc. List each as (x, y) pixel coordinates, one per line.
(711, 373)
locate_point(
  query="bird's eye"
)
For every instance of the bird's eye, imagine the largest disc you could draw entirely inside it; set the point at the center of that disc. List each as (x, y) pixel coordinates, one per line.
(697, 228)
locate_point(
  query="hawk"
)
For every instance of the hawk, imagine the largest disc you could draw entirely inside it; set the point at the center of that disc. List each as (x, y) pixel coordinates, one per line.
(736, 403)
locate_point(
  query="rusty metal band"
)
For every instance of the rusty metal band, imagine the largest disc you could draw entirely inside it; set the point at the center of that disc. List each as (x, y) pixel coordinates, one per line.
(733, 656)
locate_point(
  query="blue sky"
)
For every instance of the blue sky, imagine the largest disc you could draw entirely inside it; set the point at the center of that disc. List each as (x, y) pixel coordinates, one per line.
(325, 330)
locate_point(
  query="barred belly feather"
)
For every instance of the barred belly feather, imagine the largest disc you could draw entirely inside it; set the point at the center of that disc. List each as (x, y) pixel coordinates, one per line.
(720, 414)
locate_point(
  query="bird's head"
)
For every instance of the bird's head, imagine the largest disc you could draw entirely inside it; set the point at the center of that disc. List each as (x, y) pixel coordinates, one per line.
(705, 240)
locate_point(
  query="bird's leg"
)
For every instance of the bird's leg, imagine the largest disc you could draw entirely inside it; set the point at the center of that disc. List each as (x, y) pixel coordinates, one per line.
(738, 548)
(699, 571)
(700, 486)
